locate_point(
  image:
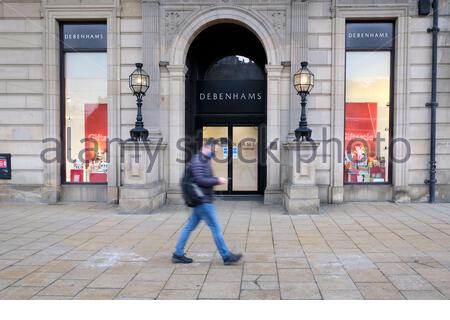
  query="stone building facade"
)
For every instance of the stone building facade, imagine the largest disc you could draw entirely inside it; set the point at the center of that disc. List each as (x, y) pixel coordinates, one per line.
(160, 34)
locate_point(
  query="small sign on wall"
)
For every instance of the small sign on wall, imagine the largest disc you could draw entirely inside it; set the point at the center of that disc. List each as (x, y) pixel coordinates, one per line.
(5, 166)
(225, 153)
(235, 152)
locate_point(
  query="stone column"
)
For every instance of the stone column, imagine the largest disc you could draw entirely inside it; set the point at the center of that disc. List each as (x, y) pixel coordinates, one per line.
(299, 51)
(142, 186)
(151, 58)
(300, 191)
(177, 74)
(272, 194)
(400, 181)
(336, 189)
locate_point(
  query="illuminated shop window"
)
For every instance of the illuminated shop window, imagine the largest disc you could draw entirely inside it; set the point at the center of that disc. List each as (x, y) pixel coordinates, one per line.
(368, 107)
(85, 103)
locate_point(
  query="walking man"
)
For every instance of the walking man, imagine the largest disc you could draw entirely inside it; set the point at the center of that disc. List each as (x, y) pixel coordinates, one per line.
(203, 177)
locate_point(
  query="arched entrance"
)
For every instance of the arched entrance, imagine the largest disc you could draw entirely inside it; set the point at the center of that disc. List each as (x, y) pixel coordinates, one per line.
(226, 98)
(174, 81)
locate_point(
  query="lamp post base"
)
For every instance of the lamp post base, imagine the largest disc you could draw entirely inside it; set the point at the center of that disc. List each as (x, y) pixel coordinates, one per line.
(139, 134)
(303, 133)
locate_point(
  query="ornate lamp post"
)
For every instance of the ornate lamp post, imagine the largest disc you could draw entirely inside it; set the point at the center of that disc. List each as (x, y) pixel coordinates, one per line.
(303, 83)
(139, 82)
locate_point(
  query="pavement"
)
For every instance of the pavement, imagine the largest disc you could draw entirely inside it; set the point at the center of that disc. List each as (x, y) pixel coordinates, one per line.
(349, 251)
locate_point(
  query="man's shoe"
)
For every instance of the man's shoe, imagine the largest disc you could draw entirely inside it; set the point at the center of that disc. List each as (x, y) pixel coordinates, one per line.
(232, 258)
(181, 259)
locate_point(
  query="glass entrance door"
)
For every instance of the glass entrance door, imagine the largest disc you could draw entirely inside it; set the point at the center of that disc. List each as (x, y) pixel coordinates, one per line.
(236, 157)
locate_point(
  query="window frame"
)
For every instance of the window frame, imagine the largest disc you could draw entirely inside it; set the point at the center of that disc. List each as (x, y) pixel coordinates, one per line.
(62, 87)
(391, 96)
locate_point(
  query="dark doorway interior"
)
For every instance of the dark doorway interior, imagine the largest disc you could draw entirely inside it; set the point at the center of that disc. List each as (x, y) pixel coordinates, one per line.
(226, 96)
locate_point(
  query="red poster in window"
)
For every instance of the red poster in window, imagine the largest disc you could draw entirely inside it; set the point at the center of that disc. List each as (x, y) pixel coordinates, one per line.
(361, 124)
(3, 163)
(95, 129)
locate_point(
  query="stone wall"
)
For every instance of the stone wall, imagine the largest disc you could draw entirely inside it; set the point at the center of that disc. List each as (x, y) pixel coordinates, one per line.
(21, 96)
(419, 93)
(131, 41)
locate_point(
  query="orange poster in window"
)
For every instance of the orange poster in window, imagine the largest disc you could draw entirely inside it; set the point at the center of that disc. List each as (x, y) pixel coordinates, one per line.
(95, 130)
(361, 124)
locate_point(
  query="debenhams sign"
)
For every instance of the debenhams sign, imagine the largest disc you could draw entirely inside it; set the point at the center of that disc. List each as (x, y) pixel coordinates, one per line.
(84, 36)
(231, 96)
(377, 35)
(234, 96)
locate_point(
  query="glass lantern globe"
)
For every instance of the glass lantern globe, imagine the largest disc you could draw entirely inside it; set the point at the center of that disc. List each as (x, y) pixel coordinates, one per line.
(304, 79)
(139, 81)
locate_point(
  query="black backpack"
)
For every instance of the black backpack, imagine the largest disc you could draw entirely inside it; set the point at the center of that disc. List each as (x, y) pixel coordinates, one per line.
(192, 194)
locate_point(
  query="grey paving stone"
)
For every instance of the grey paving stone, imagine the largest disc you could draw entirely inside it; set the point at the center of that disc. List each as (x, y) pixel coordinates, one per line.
(335, 282)
(299, 291)
(185, 282)
(97, 294)
(66, 288)
(410, 282)
(19, 293)
(178, 294)
(295, 275)
(260, 295)
(155, 274)
(220, 290)
(341, 294)
(111, 281)
(193, 268)
(37, 279)
(371, 275)
(141, 290)
(379, 291)
(260, 268)
(224, 275)
(423, 295)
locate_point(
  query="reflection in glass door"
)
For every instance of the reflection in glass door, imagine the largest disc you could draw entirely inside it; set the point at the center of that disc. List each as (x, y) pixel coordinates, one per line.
(245, 159)
(236, 156)
(220, 162)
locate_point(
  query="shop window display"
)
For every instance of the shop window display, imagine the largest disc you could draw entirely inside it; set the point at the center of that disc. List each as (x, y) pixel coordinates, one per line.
(368, 104)
(85, 106)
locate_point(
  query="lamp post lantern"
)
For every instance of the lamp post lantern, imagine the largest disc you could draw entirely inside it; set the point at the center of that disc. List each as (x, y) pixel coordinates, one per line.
(139, 82)
(303, 83)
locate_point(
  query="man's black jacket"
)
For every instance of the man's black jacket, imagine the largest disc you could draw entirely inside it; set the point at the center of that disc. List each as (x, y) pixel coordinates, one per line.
(203, 176)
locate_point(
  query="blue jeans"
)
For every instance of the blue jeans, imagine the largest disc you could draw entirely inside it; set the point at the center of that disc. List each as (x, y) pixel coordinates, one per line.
(207, 213)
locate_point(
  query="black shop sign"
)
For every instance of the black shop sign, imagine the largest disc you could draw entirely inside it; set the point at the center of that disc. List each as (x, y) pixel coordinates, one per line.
(84, 36)
(5, 166)
(231, 96)
(366, 35)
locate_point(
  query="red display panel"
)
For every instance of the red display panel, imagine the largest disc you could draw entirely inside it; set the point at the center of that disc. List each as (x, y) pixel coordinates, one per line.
(98, 178)
(96, 129)
(361, 124)
(76, 175)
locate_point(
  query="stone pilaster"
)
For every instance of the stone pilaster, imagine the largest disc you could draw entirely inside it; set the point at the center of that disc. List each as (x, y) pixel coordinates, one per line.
(142, 186)
(299, 51)
(177, 74)
(300, 191)
(272, 194)
(151, 56)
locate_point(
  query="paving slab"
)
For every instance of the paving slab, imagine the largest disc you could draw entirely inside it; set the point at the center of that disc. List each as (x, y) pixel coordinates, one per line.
(299, 291)
(178, 294)
(141, 290)
(220, 290)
